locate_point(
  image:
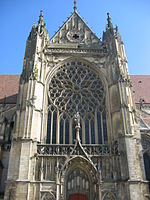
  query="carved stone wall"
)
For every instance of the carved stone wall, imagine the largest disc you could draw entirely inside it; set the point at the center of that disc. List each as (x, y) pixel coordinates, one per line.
(75, 72)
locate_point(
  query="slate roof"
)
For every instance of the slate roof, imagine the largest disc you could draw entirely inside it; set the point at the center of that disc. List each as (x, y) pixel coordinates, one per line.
(9, 85)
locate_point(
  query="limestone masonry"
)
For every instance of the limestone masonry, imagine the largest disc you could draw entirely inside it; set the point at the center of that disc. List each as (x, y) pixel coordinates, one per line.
(74, 125)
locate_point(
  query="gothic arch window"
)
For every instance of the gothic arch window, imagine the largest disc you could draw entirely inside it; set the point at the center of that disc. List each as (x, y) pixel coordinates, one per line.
(76, 87)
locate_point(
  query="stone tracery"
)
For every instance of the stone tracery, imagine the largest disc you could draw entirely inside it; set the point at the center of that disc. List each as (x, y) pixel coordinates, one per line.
(77, 87)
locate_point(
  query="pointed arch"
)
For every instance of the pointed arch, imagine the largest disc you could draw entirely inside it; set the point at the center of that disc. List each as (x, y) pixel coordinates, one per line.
(80, 177)
(77, 85)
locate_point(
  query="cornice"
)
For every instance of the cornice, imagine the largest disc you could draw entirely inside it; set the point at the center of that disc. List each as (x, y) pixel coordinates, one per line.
(87, 51)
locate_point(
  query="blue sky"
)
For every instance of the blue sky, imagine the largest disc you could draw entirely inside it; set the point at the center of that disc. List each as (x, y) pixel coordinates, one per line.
(18, 16)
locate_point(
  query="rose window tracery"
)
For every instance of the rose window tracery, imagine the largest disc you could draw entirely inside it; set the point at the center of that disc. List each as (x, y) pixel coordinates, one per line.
(77, 87)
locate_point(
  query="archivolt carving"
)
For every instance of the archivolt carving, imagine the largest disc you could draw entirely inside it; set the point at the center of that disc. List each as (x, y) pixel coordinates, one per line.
(81, 175)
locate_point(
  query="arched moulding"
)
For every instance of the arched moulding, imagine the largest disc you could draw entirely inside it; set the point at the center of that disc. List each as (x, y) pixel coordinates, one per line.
(80, 176)
(76, 86)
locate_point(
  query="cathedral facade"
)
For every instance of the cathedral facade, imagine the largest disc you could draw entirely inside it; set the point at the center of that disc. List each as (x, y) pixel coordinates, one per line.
(75, 133)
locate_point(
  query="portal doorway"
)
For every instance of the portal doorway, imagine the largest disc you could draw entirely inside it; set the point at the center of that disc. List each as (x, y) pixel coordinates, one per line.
(81, 181)
(78, 197)
(78, 185)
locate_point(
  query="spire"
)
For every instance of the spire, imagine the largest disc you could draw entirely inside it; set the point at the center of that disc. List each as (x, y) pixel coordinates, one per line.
(109, 21)
(75, 6)
(40, 22)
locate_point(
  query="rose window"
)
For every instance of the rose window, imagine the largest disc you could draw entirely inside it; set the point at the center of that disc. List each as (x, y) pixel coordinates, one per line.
(76, 87)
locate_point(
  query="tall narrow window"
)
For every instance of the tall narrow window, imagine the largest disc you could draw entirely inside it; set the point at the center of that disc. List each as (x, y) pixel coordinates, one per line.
(61, 131)
(54, 127)
(147, 167)
(67, 131)
(99, 128)
(87, 141)
(105, 127)
(48, 128)
(73, 134)
(92, 132)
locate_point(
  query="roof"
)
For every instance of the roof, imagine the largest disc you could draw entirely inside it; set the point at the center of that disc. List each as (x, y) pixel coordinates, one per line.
(9, 85)
(141, 87)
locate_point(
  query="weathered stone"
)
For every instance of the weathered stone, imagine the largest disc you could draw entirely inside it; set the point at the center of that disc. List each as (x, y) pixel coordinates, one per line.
(74, 72)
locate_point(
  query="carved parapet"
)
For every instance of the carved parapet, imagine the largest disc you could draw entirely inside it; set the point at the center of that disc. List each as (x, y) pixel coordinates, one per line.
(99, 52)
(66, 150)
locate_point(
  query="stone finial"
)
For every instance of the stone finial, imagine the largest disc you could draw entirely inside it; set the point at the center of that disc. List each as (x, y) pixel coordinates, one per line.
(75, 6)
(118, 34)
(34, 25)
(117, 28)
(109, 21)
(40, 22)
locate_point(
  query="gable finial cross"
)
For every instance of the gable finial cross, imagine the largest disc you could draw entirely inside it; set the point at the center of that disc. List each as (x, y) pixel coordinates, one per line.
(75, 5)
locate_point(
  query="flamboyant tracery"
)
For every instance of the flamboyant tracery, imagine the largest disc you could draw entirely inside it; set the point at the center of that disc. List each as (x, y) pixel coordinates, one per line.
(76, 87)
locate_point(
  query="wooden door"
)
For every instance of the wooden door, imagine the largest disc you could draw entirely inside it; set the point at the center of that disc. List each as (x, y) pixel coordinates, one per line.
(78, 197)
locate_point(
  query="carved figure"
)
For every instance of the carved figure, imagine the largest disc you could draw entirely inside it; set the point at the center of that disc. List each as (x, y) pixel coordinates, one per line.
(77, 120)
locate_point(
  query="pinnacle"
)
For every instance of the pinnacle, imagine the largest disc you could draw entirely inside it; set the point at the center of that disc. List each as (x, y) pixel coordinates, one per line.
(41, 18)
(109, 20)
(75, 6)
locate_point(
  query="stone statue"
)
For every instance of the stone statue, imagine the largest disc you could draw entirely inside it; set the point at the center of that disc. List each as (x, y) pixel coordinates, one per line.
(77, 125)
(77, 120)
